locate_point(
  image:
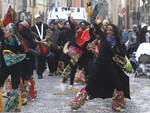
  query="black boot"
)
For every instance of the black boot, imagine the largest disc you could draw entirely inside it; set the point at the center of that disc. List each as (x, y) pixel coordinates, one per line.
(50, 74)
(40, 76)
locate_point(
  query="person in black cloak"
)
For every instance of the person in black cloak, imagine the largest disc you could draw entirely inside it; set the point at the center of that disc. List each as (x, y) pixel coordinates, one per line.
(108, 80)
(29, 41)
(12, 55)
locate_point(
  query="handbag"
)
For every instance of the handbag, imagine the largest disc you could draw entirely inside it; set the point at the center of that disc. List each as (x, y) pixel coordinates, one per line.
(123, 62)
(44, 50)
(127, 66)
(12, 58)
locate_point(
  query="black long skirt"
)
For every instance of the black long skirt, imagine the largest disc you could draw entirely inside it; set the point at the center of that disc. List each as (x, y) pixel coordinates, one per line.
(105, 78)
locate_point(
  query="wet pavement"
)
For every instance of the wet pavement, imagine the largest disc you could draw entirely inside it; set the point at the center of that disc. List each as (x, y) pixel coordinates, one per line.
(53, 96)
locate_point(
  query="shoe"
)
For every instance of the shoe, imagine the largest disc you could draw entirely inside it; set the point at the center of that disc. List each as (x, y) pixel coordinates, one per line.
(24, 101)
(50, 74)
(55, 74)
(5, 95)
(64, 80)
(90, 97)
(40, 77)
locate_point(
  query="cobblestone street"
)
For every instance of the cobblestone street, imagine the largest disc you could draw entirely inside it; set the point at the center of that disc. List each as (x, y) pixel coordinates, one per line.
(49, 99)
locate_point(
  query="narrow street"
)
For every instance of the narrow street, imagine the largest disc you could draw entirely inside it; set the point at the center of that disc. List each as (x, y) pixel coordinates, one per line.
(53, 97)
(97, 37)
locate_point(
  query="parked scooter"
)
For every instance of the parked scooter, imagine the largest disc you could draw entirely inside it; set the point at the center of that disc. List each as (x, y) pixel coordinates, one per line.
(143, 67)
(143, 60)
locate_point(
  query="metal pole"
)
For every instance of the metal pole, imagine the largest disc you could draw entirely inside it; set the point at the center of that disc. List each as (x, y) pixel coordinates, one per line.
(14, 4)
(143, 10)
(138, 12)
(128, 11)
(0, 8)
(33, 12)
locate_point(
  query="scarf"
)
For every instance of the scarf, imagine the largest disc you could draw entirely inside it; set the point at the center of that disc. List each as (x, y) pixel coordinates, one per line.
(111, 40)
(12, 42)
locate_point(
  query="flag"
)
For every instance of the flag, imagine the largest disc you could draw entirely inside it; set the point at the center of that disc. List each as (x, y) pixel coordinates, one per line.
(89, 12)
(83, 37)
(9, 17)
(95, 12)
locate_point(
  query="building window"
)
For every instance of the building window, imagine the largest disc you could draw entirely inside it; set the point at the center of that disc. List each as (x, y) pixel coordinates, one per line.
(134, 4)
(8, 1)
(146, 7)
(130, 4)
(82, 3)
(34, 3)
(149, 19)
(69, 3)
(24, 4)
(30, 3)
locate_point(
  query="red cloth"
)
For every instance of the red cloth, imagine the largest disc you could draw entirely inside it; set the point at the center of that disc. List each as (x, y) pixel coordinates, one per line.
(32, 91)
(43, 49)
(82, 38)
(24, 45)
(9, 17)
(75, 23)
(6, 20)
(79, 34)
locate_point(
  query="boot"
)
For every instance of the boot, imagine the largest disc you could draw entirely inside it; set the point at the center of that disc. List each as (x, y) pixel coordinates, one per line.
(14, 101)
(121, 99)
(32, 92)
(65, 74)
(20, 101)
(28, 88)
(7, 88)
(79, 100)
(118, 101)
(1, 103)
(23, 94)
(40, 76)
